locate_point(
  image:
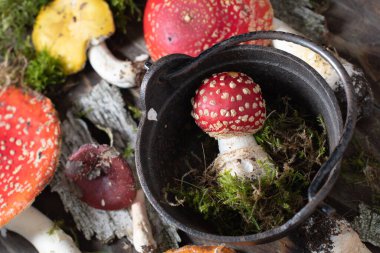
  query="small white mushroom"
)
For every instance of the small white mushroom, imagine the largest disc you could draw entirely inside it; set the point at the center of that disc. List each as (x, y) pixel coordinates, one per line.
(41, 232)
(142, 232)
(313, 59)
(111, 69)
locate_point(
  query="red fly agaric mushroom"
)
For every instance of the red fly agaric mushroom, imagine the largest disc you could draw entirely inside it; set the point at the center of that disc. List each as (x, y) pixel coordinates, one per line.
(106, 182)
(190, 27)
(29, 148)
(103, 177)
(229, 107)
(66, 28)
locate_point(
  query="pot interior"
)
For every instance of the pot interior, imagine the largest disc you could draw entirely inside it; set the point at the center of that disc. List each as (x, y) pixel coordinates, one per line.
(165, 143)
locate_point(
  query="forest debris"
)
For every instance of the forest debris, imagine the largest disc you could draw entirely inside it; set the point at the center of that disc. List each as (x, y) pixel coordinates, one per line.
(325, 234)
(368, 224)
(107, 110)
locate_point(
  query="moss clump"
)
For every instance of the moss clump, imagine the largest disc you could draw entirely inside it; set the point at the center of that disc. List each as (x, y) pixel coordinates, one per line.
(16, 21)
(20, 64)
(43, 71)
(234, 205)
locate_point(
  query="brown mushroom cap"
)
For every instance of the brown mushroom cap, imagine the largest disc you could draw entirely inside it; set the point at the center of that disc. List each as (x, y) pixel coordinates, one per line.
(103, 177)
(29, 148)
(229, 104)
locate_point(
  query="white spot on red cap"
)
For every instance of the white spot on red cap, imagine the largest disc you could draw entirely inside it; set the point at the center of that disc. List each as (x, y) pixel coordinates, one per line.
(225, 95)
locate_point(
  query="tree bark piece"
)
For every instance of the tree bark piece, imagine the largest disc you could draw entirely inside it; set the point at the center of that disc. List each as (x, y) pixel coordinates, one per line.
(300, 15)
(368, 224)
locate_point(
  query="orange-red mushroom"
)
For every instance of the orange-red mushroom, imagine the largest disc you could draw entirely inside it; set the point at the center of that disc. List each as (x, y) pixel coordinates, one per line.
(201, 249)
(29, 148)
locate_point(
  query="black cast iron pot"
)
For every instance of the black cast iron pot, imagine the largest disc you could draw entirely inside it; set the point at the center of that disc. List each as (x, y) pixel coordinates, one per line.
(167, 128)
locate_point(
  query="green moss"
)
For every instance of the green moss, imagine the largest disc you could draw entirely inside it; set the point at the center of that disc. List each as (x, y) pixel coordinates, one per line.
(44, 71)
(136, 112)
(128, 152)
(16, 21)
(235, 205)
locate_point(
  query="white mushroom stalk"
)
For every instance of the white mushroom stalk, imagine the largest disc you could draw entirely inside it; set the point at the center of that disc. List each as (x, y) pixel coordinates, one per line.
(229, 107)
(313, 59)
(143, 241)
(41, 232)
(111, 69)
(243, 157)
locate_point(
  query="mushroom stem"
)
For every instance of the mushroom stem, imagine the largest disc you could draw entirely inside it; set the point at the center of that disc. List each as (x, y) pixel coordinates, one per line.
(41, 232)
(242, 156)
(111, 69)
(142, 232)
(310, 57)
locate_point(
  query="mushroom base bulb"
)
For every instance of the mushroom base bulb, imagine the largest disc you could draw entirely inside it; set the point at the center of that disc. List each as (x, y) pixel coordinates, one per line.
(103, 177)
(241, 156)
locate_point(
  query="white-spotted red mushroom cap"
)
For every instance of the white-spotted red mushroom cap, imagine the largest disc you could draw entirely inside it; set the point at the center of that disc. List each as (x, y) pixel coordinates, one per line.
(29, 148)
(229, 104)
(190, 27)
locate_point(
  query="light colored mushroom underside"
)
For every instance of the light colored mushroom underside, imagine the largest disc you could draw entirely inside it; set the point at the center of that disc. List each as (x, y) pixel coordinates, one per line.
(103, 106)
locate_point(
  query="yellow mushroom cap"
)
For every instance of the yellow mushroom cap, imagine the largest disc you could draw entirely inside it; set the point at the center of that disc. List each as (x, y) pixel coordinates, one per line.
(65, 27)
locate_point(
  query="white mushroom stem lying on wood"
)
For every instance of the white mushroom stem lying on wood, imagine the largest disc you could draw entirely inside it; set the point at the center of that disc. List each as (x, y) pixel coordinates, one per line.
(361, 85)
(41, 232)
(111, 69)
(347, 240)
(142, 232)
(313, 59)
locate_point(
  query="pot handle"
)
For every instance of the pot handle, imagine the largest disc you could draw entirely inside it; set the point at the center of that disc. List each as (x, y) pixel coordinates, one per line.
(325, 173)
